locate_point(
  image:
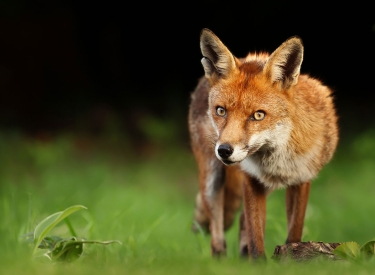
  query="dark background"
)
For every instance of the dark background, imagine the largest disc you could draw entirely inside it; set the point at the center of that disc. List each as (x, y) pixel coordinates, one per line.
(77, 65)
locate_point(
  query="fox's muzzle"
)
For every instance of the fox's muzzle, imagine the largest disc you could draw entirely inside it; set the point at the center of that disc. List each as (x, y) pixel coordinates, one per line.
(225, 151)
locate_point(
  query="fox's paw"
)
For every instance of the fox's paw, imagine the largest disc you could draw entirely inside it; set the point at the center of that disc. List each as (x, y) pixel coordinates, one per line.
(244, 248)
(219, 250)
(244, 251)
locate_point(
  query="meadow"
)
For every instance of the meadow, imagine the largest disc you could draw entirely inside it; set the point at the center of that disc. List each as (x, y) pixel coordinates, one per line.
(144, 198)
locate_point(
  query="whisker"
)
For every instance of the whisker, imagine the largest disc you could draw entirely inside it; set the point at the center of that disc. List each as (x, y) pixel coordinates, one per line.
(212, 139)
(245, 148)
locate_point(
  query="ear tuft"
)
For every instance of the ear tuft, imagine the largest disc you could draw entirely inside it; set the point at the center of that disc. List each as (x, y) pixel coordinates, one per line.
(284, 64)
(217, 59)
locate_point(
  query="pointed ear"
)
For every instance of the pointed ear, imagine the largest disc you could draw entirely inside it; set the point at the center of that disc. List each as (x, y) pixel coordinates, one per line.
(284, 64)
(217, 60)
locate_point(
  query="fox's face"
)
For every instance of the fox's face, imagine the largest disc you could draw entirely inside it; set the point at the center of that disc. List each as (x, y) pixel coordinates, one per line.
(247, 119)
(249, 100)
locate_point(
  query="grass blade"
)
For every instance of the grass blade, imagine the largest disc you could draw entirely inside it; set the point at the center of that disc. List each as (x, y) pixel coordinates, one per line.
(70, 227)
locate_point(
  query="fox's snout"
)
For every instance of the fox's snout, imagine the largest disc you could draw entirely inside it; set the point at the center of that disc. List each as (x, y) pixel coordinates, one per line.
(228, 154)
(225, 150)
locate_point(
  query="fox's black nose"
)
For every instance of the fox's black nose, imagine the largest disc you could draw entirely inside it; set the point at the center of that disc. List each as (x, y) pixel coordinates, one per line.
(225, 150)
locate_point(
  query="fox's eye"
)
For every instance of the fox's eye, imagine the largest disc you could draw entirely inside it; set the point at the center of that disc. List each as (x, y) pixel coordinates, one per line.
(259, 115)
(220, 111)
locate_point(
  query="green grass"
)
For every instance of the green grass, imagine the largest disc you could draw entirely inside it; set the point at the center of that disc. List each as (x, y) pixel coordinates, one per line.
(146, 200)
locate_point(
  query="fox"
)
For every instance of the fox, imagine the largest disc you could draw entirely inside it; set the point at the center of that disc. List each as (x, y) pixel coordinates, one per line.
(256, 124)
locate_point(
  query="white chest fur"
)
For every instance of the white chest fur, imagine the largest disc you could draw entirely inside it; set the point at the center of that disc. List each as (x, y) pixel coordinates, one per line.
(280, 168)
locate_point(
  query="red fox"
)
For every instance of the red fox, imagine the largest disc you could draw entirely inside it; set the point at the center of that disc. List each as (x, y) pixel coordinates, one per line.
(257, 125)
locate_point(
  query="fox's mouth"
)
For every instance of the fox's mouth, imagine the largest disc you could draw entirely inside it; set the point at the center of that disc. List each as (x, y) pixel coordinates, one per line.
(231, 156)
(228, 162)
(254, 149)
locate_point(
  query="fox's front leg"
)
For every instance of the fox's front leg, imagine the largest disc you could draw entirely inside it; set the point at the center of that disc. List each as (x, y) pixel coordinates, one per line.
(296, 202)
(254, 219)
(243, 240)
(212, 180)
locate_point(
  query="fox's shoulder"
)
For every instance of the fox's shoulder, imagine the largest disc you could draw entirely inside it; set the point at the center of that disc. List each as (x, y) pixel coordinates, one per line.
(309, 83)
(314, 92)
(199, 100)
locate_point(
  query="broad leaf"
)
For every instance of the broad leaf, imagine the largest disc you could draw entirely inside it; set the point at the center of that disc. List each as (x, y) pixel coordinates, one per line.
(368, 249)
(69, 249)
(348, 251)
(50, 222)
(49, 242)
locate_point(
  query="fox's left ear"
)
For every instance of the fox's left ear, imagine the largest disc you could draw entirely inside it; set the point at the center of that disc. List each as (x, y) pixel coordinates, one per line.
(284, 64)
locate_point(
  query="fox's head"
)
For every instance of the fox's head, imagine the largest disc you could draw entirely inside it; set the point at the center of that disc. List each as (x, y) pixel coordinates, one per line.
(250, 99)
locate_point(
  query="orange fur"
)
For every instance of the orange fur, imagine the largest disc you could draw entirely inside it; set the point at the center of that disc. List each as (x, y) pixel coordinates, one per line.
(256, 125)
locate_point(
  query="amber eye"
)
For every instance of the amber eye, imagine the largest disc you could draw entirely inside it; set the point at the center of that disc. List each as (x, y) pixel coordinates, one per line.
(259, 115)
(220, 111)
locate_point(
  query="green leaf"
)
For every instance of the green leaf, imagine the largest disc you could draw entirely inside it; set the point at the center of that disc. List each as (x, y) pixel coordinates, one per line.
(348, 251)
(42, 229)
(67, 250)
(71, 249)
(49, 242)
(368, 249)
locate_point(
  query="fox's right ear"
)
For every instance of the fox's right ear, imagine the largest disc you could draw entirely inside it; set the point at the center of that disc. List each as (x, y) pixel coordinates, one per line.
(217, 60)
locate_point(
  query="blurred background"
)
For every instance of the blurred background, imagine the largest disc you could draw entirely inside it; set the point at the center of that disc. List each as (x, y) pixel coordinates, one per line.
(86, 66)
(94, 98)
